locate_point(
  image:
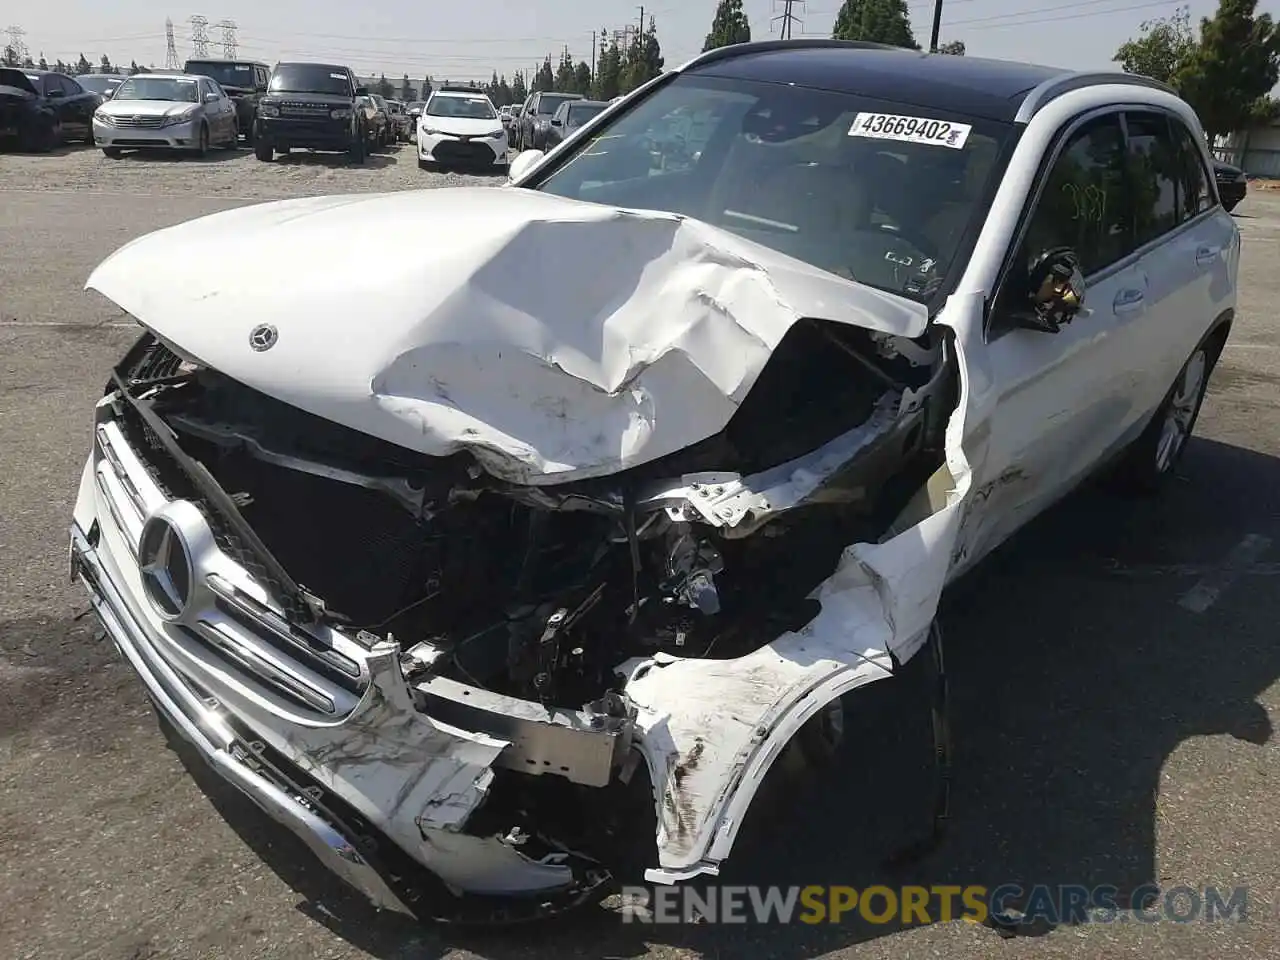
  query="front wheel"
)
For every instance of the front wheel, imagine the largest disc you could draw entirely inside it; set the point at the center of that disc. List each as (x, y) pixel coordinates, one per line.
(356, 151)
(1156, 453)
(264, 151)
(202, 145)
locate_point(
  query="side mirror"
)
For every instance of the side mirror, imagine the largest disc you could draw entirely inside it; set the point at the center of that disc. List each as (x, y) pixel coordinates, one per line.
(56, 94)
(1055, 291)
(210, 98)
(557, 123)
(524, 162)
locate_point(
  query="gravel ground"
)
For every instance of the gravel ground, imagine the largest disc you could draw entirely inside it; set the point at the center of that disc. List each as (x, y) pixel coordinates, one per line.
(1104, 733)
(233, 174)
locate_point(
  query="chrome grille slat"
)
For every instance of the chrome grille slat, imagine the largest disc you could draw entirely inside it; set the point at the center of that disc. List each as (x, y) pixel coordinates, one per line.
(251, 660)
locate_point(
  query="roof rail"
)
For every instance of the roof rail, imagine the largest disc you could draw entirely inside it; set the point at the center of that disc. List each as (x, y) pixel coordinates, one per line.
(1055, 87)
(764, 46)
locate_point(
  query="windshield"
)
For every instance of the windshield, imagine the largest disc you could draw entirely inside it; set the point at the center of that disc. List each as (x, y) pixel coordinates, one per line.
(179, 89)
(580, 114)
(310, 78)
(882, 193)
(97, 83)
(227, 74)
(466, 108)
(416, 105)
(549, 104)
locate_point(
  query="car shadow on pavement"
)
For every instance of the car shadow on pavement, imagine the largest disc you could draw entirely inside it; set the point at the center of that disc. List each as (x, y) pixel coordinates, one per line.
(215, 155)
(308, 158)
(1074, 675)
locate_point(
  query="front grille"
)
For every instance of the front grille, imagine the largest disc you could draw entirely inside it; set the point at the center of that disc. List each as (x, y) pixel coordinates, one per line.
(148, 123)
(294, 109)
(463, 152)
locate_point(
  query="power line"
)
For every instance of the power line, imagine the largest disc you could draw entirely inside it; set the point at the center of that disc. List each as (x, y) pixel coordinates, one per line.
(171, 46)
(1066, 6)
(788, 18)
(228, 28)
(199, 36)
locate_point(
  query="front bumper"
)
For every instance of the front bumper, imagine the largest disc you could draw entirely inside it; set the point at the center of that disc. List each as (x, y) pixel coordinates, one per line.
(178, 136)
(313, 133)
(381, 791)
(456, 151)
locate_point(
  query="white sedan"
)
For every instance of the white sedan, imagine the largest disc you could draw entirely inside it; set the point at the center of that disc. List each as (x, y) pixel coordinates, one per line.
(461, 128)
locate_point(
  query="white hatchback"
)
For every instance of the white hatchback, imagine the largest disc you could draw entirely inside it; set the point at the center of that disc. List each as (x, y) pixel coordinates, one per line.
(461, 128)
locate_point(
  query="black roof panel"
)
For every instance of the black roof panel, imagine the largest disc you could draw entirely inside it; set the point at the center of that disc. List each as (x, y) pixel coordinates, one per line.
(992, 89)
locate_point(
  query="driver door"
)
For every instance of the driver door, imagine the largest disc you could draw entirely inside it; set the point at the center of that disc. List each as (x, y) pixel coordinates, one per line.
(1064, 401)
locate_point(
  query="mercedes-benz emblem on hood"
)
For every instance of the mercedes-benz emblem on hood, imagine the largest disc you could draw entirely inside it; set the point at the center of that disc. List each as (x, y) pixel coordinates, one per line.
(263, 337)
(166, 567)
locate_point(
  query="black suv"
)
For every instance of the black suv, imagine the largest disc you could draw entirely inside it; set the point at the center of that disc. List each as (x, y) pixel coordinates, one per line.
(313, 105)
(245, 81)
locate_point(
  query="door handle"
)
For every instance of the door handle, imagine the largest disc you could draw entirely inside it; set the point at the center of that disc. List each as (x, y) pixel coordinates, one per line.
(1206, 255)
(1127, 301)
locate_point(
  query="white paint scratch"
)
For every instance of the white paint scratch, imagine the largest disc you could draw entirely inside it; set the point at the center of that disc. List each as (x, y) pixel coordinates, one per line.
(1207, 590)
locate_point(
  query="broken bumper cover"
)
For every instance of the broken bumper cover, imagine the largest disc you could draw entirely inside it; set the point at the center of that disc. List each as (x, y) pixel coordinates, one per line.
(460, 877)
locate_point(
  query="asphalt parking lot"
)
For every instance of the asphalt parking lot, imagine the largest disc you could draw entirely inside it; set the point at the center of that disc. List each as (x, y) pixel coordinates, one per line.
(1115, 672)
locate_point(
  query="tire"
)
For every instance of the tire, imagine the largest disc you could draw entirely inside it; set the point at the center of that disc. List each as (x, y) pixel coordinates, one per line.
(202, 146)
(264, 151)
(88, 136)
(1155, 455)
(356, 151)
(42, 140)
(111, 153)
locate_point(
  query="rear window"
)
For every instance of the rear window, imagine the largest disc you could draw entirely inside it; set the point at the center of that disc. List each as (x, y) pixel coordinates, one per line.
(227, 74)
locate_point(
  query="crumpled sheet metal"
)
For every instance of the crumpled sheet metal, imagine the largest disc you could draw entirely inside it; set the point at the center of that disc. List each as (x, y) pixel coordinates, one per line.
(557, 340)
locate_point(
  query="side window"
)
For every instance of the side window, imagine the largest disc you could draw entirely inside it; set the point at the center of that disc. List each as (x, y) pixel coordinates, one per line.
(1153, 166)
(1083, 202)
(72, 88)
(1195, 190)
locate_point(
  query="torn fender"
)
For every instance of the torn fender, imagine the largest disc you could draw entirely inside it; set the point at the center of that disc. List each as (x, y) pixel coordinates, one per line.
(709, 730)
(554, 339)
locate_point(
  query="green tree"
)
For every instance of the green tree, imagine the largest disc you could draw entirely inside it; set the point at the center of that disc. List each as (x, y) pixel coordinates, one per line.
(519, 87)
(28, 63)
(645, 60)
(43, 64)
(729, 26)
(566, 80)
(10, 57)
(608, 82)
(1233, 68)
(406, 89)
(427, 87)
(106, 65)
(83, 65)
(545, 78)
(583, 73)
(1162, 48)
(384, 88)
(876, 21)
(60, 67)
(955, 48)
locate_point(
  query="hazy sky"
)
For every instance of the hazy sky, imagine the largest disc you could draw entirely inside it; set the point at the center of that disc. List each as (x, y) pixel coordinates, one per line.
(465, 39)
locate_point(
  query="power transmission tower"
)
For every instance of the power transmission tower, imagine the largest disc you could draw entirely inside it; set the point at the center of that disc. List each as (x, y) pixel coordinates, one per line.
(199, 36)
(228, 28)
(171, 47)
(17, 44)
(788, 18)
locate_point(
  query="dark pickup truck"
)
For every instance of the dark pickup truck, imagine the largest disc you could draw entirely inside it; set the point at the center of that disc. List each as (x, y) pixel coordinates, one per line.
(245, 82)
(315, 106)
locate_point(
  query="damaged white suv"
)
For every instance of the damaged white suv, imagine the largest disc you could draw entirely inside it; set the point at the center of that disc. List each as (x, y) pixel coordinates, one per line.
(635, 470)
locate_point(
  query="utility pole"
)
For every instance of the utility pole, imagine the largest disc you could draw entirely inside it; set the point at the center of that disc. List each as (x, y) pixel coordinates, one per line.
(937, 25)
(788, 18)
(640, 35)
(171, 46)
(228, 28)
(200, 37)
(593, 55)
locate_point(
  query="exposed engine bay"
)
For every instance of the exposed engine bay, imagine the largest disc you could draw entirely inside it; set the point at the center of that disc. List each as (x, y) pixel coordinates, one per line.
(543, 592)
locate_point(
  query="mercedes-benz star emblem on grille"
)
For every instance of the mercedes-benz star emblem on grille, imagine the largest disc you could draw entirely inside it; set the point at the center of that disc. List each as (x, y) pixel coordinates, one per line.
(166, 568)
(263, 337)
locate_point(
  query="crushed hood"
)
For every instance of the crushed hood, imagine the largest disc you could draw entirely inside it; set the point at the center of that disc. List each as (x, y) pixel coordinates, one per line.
(555, 339)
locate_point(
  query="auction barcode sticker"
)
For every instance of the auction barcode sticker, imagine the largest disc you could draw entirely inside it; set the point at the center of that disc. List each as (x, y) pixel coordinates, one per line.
(888, 126)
